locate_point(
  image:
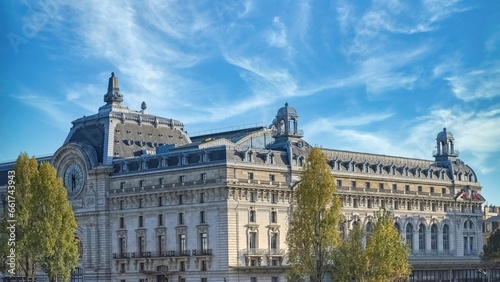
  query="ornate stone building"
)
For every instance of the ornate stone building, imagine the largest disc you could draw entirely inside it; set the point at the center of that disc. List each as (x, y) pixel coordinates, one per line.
(155, 204)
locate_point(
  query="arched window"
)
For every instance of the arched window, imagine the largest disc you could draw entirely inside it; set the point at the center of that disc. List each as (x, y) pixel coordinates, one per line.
(409, 235)
(434, 237)
(469, 238)
(469, 225)
(421, 236)
(446, 237)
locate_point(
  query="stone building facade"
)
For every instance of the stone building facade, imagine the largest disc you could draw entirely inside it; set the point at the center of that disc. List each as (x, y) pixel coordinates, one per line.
(155, 204)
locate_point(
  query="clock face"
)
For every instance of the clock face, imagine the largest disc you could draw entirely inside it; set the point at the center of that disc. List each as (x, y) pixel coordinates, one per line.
(73, 179)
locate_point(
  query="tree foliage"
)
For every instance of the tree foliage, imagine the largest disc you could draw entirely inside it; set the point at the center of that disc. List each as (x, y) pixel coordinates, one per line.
(312, 235)
(45, 230)
(350, 261)
(384, 258)
(387, 253)
(491, 251)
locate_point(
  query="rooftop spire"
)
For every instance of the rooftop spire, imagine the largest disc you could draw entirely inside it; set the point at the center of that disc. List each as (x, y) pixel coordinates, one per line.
(113, 94)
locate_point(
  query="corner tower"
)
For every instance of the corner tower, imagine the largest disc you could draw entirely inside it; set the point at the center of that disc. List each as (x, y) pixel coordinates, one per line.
(445, 148)
(286, 124)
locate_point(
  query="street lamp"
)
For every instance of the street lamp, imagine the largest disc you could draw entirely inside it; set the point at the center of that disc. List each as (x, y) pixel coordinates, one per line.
(483, 273)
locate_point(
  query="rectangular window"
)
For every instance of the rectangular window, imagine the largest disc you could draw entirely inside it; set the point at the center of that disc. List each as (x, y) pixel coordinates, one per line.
(272, 177)
(161, 180)
(160, 220)
(381, 186)
(203, 267)
(122, 185)
(141, 268)
(121, 245)
(141, 221)
(182, 243)
(181, 179)
(273, 198)
(274, 279)
(121, 204)
(161, 244)
(252, 240)
(141, 244)
(122, 267)
(339, 183)
(251, 196)
(422, 206)
(432, 189)
(353, 184)
(181, 198)
(140, 203)
(407, 188)
(369, 203)
(434, 207)
(443, 190)
(355, 203)
(122, 222)
(181, 218)
(204, 279)
(396, 205)
(160, 201)
(252, 215)
(141, 183)
(274, 217)
(408, 206)
(445, 207)
(394, 187)
(419, 188)
(203, 176)
(203, 242)
(202, 216)
(182, 266)
(382, 203)
(274, 241)
(253, 279)
(367, 185)
(202, 197)
(250, 176)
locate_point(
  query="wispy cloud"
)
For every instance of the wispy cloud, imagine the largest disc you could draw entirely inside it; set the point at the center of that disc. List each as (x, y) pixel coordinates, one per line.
(276, 37)
(368, 28)
(473, 83)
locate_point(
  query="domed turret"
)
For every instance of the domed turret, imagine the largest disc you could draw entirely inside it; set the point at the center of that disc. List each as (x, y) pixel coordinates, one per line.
(286, 122)
(445, 147)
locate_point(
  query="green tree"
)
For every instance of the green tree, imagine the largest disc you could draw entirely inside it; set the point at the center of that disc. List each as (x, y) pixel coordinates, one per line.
(385, 257)
(313, 235)
(45, 226)
(19, 194)
(491, 251)
(386, 252)
(350, 261)
(55, 217)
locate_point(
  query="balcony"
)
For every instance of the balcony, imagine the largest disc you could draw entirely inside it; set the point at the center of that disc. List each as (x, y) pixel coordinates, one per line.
(183, 253)
(121, 255)
(434, 252)
(276, 252)
(141, 254)
(254, 252)
(202, 252)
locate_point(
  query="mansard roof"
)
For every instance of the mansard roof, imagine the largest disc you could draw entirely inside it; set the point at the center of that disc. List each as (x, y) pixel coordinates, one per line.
(355, 162)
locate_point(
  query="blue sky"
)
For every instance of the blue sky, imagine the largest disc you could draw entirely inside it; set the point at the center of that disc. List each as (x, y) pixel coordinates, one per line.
(381, 77)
